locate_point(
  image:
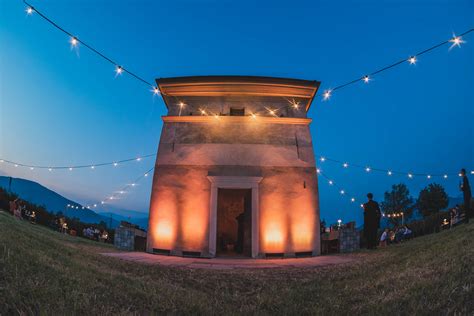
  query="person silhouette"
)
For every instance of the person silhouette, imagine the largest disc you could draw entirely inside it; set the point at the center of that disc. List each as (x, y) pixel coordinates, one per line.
(371, 221)
(466, 191)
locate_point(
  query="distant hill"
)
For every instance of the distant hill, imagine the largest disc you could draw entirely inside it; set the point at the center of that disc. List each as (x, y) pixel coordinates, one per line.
(36, 193)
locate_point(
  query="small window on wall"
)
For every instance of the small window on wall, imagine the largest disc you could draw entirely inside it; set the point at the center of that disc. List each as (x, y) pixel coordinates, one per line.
(237, 112)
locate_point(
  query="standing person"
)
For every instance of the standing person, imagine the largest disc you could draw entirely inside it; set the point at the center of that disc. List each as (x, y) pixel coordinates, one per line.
(240, 232)
(371, 221)
(466, 191)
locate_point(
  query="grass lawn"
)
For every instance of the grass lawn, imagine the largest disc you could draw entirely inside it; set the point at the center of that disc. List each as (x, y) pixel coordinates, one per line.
(42, 271)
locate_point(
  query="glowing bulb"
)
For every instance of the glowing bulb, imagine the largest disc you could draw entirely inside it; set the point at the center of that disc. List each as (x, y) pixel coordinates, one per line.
(73, 41)
(322, 159)
(68, 205)
(342, 192)
(203, 112)
(122, 192)
(16, 165)
(353, 199)
(92, 167)
(272, 112)
(115, 164)
(445, 176)
(181, 104)
(253, 116)
(133, 184)
(95, 205)
(2, 160)
(146, 174)
(139, 159)
(412, 60)
(410, 175)
(366, 79)
(155, 90)
(327, 94)
(318, 170)
(111, 198)
(70, 169)
(362, 205)
(31, 168)
(345, 165)
(77, 207)
(367, 169)
(330, 182)
(83, 207)
(102, 202)
(29, 10)
(457, 41)
(216, 116)
(118, 70)
(389, 173)
(428, 176)
(50, 169)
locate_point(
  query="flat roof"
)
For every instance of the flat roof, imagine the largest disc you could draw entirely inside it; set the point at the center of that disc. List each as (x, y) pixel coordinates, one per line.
(209, 86)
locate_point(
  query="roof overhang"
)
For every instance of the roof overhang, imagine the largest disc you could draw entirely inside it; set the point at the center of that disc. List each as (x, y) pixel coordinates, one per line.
(214, 86)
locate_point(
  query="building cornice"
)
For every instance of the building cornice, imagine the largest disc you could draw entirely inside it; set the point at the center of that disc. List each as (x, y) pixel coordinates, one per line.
(237, 119)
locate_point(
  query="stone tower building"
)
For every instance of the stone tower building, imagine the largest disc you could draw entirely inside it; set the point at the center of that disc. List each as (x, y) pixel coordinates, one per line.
(235, 173)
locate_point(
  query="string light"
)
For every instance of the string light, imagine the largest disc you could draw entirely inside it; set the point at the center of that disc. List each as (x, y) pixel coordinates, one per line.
(327, 95)
(118, 70)
(353, 199)
(71, 167)
(330, 182)
(342, 192)
(73, 41)
(155, 90)
(389, 172)
(457, 41)
(29, 10)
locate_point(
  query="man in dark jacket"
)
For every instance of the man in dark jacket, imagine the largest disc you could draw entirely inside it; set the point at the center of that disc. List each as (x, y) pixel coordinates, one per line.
(371, 221)
(466, 191)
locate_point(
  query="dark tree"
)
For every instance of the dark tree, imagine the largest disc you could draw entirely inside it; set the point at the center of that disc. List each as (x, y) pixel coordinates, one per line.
(432, 199)
(396, 201)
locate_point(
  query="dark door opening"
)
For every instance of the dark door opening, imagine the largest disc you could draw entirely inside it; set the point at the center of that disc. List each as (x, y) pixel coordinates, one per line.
(234, 222)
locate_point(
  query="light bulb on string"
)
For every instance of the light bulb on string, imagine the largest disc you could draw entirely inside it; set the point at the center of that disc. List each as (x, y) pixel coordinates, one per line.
(115, 164)
(74, 42)
(118, 70)
(146, 174)
(318, 170)
(327, 95)
(412, 60)
(155, 90)
(366, 79)
(92, 167)
(428, 176)
(342, 192)
(457, 41)
(445, 176)
(322, 159)
(410, 175)
(353, 199)
(29, 10)
(139, 159)
(50, 169)
(389, 173)
(345, 165)
(330, 182)
(367, 169)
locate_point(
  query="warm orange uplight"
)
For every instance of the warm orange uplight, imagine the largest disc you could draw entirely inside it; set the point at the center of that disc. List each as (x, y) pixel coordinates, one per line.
(273, 238)
(164, 234)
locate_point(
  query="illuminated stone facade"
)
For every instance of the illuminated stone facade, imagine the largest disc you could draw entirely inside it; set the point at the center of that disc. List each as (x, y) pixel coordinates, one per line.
(248, 134)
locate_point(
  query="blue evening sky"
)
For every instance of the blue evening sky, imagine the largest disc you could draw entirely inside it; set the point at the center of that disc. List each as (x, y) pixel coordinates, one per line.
(60, 106)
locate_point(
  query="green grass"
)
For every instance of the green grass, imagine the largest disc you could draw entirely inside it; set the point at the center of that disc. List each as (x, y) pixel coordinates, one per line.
(44, 272)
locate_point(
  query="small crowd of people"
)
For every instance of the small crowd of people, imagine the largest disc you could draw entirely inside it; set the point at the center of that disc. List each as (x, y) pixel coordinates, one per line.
(373, 214)
(395, 236)
(19, 211)
(95, 234)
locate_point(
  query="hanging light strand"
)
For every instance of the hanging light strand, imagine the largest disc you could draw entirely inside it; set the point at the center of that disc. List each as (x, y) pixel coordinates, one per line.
(455, 40)
(72, 167)
(389, 172)
(342, 192)
(74, 39)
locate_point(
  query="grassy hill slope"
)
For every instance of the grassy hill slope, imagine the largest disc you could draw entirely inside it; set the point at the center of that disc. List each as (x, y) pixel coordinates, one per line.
(42, 271)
